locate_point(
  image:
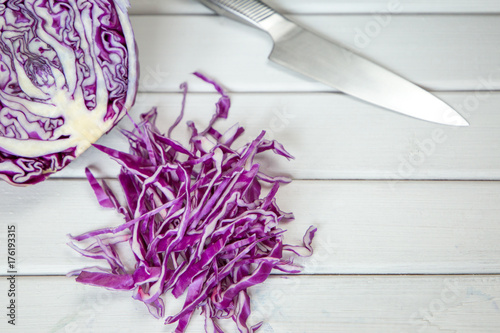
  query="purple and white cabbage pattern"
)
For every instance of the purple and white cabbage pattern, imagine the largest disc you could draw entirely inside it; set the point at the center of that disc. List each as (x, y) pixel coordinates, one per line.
(196, 221)
(68, 73)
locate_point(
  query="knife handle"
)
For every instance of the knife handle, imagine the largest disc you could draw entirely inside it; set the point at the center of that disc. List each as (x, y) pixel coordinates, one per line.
(254, 13)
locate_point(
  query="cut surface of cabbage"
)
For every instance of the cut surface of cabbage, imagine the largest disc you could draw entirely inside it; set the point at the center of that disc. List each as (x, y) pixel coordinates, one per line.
(68, 74)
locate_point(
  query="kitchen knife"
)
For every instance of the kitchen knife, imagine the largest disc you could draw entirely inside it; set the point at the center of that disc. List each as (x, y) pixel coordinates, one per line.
(327, 62)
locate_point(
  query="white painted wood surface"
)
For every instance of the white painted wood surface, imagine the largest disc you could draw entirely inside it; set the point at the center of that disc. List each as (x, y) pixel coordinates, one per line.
(353, 140)
(408, 211)
(454, 52)
(329, 6)
(381, 304)
(366, 227)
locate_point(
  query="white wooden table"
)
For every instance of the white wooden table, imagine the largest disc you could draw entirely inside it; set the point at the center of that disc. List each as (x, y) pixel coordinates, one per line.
(408, 211)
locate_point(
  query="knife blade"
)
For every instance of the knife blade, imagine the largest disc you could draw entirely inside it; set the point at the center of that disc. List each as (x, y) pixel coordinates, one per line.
(336, 66)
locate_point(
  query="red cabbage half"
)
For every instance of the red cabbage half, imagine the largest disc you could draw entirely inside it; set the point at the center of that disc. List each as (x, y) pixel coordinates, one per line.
(196, 222)
(68, 73)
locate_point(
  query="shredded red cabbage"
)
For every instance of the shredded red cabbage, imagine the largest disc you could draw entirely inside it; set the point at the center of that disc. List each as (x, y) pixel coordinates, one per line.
(195, 222)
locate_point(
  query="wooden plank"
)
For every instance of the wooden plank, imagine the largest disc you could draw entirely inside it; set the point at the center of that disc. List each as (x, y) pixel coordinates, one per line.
(439, 52)
(393, 304)
(327, 6)
(353, 140)
(365, 227)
